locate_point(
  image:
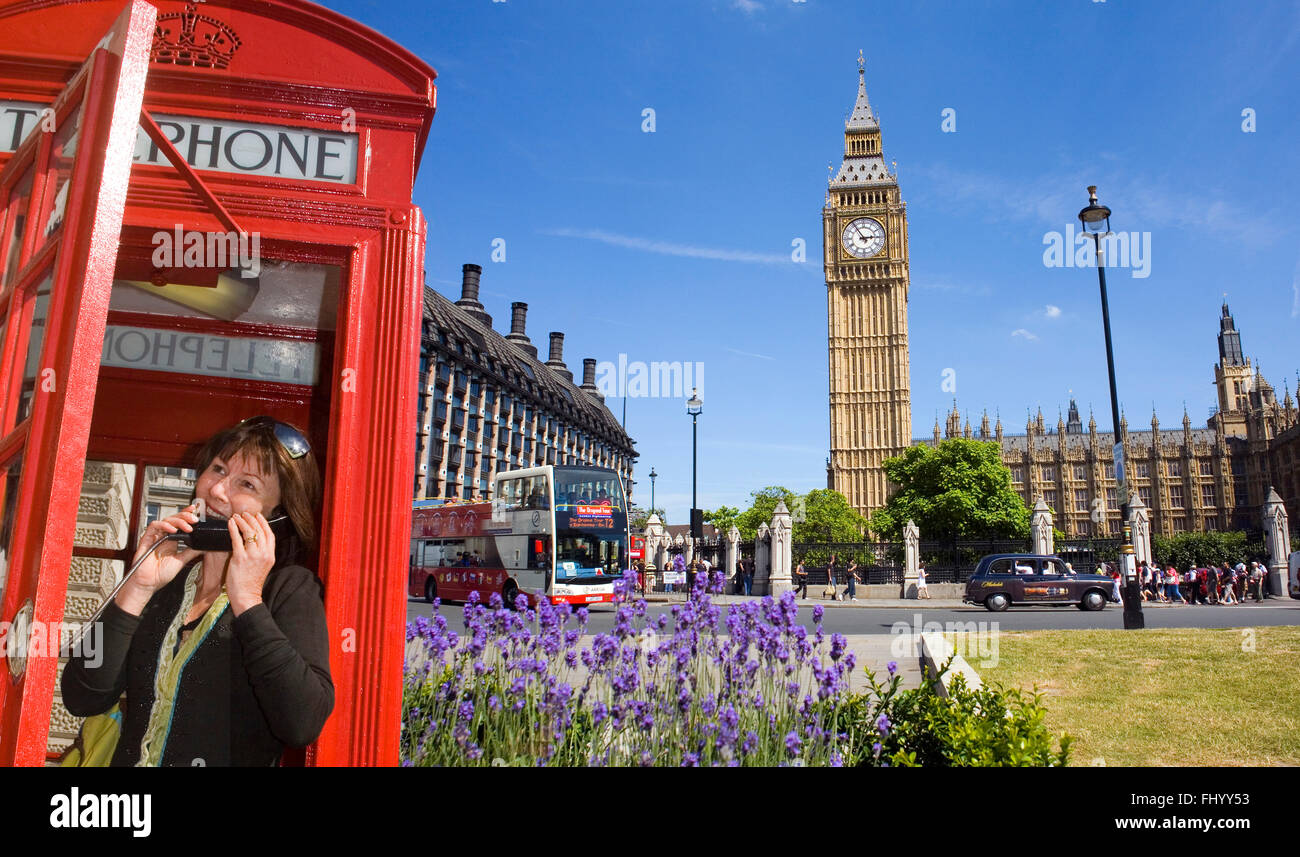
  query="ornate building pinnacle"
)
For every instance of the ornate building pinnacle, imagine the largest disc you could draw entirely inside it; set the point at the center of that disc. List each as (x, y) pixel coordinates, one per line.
(861, 119)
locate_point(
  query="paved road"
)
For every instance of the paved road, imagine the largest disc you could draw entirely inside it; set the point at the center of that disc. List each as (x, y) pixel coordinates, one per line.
(867, 619)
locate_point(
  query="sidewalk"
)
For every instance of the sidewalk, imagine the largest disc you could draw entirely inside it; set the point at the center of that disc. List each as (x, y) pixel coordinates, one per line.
(910, 603)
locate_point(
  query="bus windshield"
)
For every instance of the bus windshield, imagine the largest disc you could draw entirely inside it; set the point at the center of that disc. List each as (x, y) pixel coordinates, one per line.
(578, 554)
(587, 488)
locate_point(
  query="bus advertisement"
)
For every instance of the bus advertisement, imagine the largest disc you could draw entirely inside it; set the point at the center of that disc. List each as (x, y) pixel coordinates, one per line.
(552, 532)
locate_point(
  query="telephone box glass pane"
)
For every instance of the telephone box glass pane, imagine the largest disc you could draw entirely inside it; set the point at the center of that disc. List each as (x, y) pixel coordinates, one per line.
(221, 276)
(59, 176)
(34, 343)
(10, 474)
(170, 489)
(17, 227)
(104, 513)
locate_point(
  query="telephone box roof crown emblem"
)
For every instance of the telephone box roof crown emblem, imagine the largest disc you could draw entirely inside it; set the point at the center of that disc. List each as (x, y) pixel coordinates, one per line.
(192, 39)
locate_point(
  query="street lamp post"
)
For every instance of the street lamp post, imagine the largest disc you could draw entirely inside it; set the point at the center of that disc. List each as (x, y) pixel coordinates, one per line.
(694, 407)
(652, 490)
(1096, 222)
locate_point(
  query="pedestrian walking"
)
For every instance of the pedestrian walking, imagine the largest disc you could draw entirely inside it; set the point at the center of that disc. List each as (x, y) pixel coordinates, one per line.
(800, 581)
(830, 591)
(851, 591)
(749, 577)
(921, 590)
(1257, 581)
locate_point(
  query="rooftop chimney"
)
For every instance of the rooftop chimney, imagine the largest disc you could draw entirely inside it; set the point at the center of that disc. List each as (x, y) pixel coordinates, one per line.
(556, 360)
(589, 378)
(469, 294)
(518, 314)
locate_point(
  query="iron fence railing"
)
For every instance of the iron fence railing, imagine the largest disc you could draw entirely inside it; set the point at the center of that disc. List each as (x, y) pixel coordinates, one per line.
(953, 561)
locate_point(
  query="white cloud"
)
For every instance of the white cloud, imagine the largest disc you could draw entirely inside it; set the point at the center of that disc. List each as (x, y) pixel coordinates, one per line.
(1053, 311)
(1053, 197)
(1020, 331)
(669, 248)
(1295, 290)
(749, 354)
(749, 7)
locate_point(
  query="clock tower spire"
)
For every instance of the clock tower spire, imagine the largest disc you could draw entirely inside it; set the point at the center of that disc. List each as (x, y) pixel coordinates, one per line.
(864, 240)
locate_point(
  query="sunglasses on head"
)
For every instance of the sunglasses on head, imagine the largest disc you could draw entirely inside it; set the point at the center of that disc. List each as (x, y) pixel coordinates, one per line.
(289, 437)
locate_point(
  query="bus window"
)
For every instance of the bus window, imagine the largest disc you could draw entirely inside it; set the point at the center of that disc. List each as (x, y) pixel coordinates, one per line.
(539, 554)
(537, 492)
(587, 488)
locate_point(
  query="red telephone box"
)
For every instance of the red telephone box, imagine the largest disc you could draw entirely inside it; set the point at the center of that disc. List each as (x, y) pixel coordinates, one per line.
(205, 214)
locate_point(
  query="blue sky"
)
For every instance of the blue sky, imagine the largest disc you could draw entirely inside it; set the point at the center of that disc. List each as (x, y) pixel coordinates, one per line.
(676, 244)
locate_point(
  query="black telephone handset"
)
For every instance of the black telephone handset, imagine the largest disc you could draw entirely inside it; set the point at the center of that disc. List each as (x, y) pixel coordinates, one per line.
(213, 534)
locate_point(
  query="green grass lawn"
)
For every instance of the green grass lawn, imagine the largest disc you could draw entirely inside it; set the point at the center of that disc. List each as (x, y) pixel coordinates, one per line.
(1170, 697)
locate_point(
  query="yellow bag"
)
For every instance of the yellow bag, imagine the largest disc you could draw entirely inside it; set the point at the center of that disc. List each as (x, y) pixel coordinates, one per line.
(96, 742)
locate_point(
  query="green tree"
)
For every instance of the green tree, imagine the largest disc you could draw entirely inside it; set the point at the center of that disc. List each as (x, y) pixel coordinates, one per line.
(827, 517)
(722, 518)
(638, 516)
(762, 505)
(960, 489)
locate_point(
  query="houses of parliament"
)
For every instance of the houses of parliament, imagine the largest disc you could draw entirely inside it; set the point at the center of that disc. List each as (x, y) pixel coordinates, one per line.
(1215, 477)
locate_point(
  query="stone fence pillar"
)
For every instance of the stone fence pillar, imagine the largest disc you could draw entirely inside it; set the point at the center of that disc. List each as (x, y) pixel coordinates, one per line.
(911, 558)
(1139, 520)
(733, 551)
(656, 542)
(782, 550)
(1277, 539)
(1040, 528)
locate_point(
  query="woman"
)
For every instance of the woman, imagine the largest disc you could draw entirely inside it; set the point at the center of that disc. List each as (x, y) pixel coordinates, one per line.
(800, 581)
(222, 656)
(851, 592)
(830, 591)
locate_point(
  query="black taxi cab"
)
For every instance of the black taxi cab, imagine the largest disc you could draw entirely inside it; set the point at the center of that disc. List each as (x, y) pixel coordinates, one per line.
(1001, 580)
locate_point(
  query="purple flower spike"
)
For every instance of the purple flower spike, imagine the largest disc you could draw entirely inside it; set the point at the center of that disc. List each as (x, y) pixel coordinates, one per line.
(792, 743)
(892, 666)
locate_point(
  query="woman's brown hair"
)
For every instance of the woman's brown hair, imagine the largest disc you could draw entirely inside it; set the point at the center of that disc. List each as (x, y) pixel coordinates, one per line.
(300, 482)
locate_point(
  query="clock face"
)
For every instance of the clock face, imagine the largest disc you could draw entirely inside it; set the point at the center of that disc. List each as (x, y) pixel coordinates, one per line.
(864, 237)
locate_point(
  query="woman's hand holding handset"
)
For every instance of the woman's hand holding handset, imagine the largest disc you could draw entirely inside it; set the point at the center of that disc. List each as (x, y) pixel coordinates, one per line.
(252, 555)
(161, 568)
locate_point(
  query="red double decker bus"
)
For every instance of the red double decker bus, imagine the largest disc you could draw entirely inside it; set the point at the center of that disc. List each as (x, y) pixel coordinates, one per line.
(554, 533)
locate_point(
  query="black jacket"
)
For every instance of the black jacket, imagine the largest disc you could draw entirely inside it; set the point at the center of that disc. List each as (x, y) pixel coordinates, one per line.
(253, 687)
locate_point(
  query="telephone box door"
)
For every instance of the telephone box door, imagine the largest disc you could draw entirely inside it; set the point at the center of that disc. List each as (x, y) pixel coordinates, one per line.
(62, 197)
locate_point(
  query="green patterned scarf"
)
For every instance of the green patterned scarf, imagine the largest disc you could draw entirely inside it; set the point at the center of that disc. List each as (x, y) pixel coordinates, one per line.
(171, 666)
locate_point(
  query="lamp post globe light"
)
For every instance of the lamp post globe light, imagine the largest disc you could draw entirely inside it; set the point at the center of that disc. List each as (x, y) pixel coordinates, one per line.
(1095, 219)
(694, 407)
(653, 475)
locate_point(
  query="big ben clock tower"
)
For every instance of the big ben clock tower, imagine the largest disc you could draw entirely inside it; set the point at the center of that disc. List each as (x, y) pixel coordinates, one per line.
(864, 236)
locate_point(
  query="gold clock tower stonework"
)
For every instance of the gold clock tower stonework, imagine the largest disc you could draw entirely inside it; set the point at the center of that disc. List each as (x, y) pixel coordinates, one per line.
(864, 236)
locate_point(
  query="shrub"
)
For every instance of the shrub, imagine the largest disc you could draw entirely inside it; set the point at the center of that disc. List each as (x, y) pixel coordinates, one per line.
(1206, 549)
(985, 727)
